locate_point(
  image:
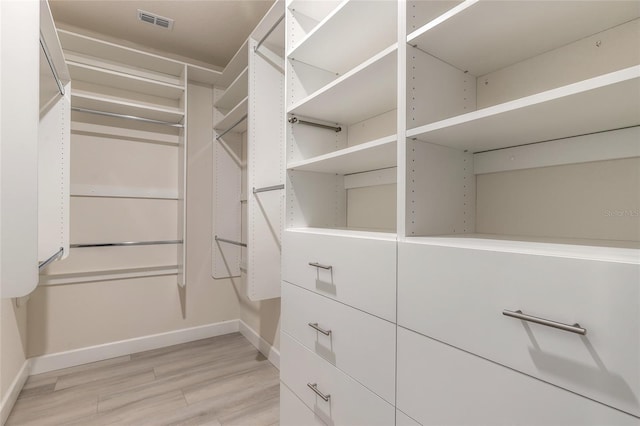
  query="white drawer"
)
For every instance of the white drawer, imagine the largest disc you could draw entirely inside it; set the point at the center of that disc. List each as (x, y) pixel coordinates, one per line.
(349, 402)
(293, 412)
(457, 295)
(361, 345)
(441, 385)
(362, 273)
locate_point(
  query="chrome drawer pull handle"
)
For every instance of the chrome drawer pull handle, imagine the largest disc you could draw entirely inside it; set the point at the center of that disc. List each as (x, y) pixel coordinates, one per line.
(314, 387)
(575, 328)
(318, 265)
(314, 325)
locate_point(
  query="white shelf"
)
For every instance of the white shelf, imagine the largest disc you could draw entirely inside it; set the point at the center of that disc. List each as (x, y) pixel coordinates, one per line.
(602, 103)
(236, 65)
(364, 92)
(353, 31)
(122, 81)
(233, 116)
(348, 232)
(118, 105)
(377, 154)
(87, 128)
(518, 30)
(236, 92)
(603, 250)
(316, 10)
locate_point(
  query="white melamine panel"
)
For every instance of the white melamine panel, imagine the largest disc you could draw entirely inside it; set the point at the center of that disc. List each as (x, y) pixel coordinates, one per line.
(293, 412)
(303, 16)
(361, 345)
(315, 199)
(601, 103)
(54, 177)
(235, 93)
(203, 75)
(372, 207)
(365, 91)
(351, 33)
(235, 66)
(94, 125)
(377, 154)
(233, 117)
(373, 178)
(19, 75)
(363, 268)
(420, 12)
(441, 385)
(441, 290)
(304, 79)
(518, 30)
(403, 420)
(350, 403)
(304, 141)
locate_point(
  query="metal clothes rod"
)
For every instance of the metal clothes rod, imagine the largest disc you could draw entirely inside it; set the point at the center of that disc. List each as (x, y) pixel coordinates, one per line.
(223, 240)
(244, 117)
(268, 188)
(127, 117)
(268, 33)
(47, 55)
(127, 243)
(294, 120)
(52, 258)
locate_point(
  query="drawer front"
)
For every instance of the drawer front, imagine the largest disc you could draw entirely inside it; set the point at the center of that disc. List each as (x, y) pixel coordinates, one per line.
(441, 385)
(293, 412)
(458, 295)
(361, 345)
(362, 274)
(349, 402)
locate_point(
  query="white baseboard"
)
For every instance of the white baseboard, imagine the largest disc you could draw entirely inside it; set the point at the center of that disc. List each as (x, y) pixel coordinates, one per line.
(272, 354)
(56, 361)
(14, 390)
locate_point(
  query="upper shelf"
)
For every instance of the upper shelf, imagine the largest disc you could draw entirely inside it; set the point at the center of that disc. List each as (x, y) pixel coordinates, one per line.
(236, 65)
(236, 92)
(351, 33)
(518, 30)
(374, 155)
(364, 92)
(606, 102)
(234, 116)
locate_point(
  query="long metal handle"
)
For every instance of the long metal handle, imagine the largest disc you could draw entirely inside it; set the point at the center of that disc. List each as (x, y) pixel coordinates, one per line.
(54, 71)
(244, 117)
(126, 117)
(314, 325)
(52, 258)
(314, 387)
(319, 265)
(268, 33)
(224, 240)
(268, 188)
(575, 328)
(127, 243)
(294, 120)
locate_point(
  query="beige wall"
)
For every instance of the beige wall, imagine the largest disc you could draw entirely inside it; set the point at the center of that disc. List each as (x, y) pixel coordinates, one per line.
(13, 342)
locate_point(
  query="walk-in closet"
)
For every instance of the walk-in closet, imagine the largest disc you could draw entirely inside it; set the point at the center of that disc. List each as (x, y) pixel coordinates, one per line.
(320, 212)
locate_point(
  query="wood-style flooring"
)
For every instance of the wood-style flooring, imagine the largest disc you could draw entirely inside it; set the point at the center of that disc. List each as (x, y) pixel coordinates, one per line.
(220, 381)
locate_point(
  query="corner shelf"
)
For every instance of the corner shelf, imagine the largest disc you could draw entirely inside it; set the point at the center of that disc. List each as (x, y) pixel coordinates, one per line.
(235, 93)
(233, 116)
(601, 103)
(236, 65)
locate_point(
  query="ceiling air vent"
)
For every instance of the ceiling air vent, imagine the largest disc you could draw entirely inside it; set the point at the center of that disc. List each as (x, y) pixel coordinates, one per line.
(154, 19)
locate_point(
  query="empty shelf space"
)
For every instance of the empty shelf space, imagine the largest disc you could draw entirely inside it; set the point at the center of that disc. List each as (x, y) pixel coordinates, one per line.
(82, 124)
(605, 250)
(364, 92)
(518, 30)
(348, 232)
(122, 81)
(602, 103)
(236, 65)
(377, 154)
(235, 115)
(107, 275)
(235, 93)
(352, 32)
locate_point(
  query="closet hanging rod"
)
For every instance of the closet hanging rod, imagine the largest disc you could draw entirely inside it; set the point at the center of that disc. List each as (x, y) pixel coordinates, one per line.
(127, 243)
(223, 240)
(127, 117)
(255, 49)
(244, 117)
(54, 71)
(52, 258)
(294, 120)
(268, 188)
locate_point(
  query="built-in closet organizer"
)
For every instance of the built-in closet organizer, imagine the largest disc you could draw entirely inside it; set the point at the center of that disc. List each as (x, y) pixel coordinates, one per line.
(249, 161)
(35, 146)
(128, 178)
(339, 246)
(521, 246)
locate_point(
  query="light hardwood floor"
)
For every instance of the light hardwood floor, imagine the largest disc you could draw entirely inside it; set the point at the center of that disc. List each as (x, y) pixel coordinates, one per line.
(221, 381)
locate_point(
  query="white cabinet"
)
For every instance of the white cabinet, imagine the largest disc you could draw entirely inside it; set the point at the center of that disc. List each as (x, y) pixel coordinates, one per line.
(293, 412)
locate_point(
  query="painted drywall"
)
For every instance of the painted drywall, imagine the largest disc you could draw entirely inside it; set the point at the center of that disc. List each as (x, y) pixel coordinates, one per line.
(13, 341)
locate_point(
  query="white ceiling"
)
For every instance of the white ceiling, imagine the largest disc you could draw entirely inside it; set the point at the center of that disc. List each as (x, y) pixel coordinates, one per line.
(210, 31)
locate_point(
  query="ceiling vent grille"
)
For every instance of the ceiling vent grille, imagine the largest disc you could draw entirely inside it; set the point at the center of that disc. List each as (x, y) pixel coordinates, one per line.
(152, 18)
